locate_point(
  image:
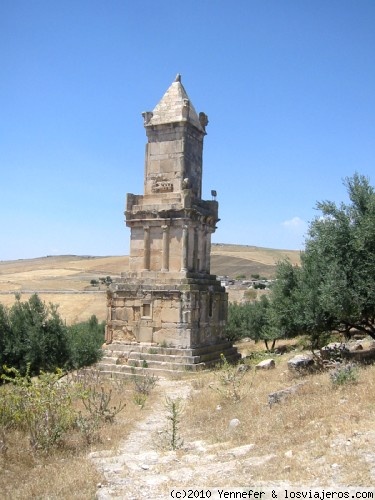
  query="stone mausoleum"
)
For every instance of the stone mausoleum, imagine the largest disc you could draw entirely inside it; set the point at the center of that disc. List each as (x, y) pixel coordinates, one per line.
(168, 299)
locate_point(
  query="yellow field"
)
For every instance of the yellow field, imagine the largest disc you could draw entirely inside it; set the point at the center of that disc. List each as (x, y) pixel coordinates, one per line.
(65, 280)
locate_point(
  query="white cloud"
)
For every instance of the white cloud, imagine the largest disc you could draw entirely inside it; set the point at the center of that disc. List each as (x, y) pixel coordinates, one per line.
(294, 230)
(294, 223)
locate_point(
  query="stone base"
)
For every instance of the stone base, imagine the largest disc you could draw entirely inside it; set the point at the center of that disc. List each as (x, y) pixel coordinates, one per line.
(123, 359)
(182, 313)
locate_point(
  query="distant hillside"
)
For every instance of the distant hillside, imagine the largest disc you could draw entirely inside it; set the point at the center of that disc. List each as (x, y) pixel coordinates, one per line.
(65, 280)
(233, 260)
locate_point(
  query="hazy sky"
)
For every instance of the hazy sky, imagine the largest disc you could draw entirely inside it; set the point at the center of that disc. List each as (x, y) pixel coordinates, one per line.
(288, 86)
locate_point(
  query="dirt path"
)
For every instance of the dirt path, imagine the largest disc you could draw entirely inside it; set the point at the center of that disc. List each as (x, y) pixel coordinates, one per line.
(135, 471)
(141, 468)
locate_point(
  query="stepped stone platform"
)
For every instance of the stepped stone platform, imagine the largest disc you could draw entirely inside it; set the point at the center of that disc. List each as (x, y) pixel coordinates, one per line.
(168, 296)
(121, 359)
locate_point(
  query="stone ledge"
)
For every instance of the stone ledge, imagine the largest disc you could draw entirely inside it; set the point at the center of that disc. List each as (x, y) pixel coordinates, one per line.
(124, 358)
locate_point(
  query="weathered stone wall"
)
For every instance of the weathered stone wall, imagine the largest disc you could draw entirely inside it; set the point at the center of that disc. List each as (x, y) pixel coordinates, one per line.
(180, 315)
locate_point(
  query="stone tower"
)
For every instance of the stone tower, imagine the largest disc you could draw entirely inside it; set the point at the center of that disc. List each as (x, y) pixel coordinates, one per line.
(168, 296)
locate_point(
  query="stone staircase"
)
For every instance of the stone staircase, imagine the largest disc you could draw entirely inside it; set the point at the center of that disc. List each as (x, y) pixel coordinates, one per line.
(122, 360)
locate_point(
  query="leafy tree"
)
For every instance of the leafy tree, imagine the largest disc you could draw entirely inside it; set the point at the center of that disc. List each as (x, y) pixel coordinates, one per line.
(236, 324)
(33, 338)
(16, 336)
(259, 324)
(5, 331)
(251, 320)
(338, 266)
(284, 311)
(37, 336)
(334, 287)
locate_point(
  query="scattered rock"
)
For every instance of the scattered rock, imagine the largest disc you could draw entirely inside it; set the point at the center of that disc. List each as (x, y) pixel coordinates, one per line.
(278, 396)
(258, 461)
(234, 423)
(364, 355)
(300, 362)
(361, 351)
(197, 446)
(243, 368)
(288, 454)
(241, 450)
(356, 347)
(282, 349)
(333, 350)
(266, 364)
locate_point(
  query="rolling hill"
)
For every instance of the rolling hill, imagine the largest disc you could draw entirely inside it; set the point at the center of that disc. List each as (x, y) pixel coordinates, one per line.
(65, 280)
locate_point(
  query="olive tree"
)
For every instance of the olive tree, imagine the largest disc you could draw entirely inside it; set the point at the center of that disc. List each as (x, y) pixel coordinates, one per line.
(333, 289)
(36, 336)
(252, 320)
(338, 266)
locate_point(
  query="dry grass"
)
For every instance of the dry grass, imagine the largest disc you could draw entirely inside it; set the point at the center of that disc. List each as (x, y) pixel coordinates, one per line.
(73, 307)
(65, 280)
(62, 280)
(61, 475)
(314, 433)
(257, 254)
(320, 431)
(65, 472)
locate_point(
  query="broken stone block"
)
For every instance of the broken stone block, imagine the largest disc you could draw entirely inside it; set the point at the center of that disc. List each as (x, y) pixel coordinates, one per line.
(266, 364)
(300, 362)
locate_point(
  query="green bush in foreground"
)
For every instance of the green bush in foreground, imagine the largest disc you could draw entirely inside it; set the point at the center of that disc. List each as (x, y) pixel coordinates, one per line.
(48, 408)
(41, 408)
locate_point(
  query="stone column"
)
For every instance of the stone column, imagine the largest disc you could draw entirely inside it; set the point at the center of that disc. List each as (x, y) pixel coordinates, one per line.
(195, 251)
(165, 263)
(202, 250)
(208, 251)
(184, 250)
(146, 248)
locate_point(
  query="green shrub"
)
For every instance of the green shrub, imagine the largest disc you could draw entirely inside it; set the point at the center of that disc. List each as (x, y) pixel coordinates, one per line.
(170, 437)
(344, 374)
(48, 408)
(33, 335)
(40, 407)
(85, 340)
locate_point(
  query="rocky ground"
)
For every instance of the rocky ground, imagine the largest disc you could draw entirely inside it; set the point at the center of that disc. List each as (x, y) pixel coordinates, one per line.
(143, 468)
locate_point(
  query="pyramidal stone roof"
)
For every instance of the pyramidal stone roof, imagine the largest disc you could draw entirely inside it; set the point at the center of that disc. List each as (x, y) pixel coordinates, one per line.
(175, 106)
